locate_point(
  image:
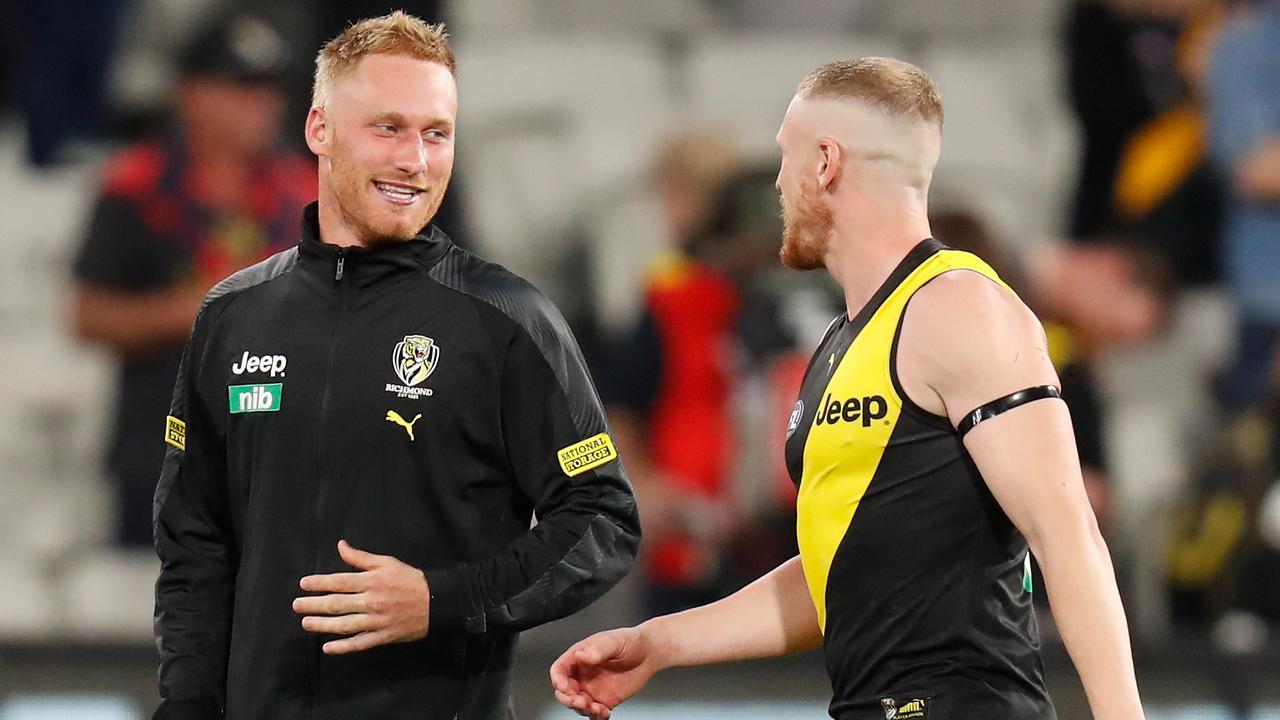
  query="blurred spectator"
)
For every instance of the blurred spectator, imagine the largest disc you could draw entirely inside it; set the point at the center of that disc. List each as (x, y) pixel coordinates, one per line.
(1210, 554)
(1091, 298)
(176, 214)
(1245, 124)
(1236, 519)
(667, 387)
(1167, 194)
(66, 48)
(783, 316)
(1122, 73)
(741, 238)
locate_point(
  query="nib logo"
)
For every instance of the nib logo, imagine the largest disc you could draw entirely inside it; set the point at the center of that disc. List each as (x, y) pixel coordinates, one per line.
(254, 398)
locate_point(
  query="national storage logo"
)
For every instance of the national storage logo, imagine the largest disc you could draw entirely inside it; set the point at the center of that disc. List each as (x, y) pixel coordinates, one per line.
(590, 453)
(254, 398)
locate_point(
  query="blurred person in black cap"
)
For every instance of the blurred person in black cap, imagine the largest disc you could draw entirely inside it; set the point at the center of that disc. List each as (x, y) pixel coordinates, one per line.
(207, 196)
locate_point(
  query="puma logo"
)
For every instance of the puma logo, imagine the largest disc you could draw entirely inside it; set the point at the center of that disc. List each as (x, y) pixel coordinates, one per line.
(393, 416)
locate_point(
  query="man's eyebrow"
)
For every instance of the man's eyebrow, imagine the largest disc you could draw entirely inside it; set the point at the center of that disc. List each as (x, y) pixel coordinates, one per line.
(392, 116)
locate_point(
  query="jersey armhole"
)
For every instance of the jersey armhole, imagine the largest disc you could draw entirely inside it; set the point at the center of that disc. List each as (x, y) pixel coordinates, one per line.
(909, 405)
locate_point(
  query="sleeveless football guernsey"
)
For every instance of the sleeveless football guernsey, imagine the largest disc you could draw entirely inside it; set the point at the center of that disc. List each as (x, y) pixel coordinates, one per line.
(919, 578)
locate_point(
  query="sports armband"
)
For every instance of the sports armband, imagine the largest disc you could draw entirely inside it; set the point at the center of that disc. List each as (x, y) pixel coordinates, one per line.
(1005, 404)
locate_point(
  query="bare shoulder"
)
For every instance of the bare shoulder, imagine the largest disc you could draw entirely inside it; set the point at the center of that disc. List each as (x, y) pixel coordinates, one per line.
(970, 340)
(970, 305)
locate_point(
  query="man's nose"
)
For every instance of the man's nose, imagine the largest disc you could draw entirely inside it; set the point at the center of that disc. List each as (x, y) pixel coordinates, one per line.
(411, 155)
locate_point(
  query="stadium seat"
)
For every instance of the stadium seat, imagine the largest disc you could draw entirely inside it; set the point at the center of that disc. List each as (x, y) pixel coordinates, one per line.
(977, 17)
(1007, 130)
(744, 82)
(69, 707)
(110, 594)
(477, 17)
(1004, 103)
(52, 430)
(28, 606)
(627, 232)
(548, 122)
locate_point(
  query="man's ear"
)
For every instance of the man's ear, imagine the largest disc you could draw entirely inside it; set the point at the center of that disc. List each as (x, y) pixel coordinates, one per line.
(831, 161)
(318, 131)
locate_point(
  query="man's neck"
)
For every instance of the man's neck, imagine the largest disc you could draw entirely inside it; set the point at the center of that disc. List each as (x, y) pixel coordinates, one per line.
(334, 228)
(863, 255)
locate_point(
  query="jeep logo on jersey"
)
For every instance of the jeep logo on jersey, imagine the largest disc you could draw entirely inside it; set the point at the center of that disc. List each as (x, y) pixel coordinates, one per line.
(273, 364)
(254, 398)
(869, 408)
(793, 422)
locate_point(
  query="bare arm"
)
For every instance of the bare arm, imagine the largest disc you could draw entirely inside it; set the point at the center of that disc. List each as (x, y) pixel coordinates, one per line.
(135, 323)
(776, 609)
(772, 616)
(968, 342)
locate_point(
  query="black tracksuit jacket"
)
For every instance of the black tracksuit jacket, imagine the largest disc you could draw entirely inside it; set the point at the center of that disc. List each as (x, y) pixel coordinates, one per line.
(418, 402)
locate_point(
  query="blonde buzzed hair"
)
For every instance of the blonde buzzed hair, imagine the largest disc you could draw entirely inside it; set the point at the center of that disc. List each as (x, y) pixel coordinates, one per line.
(894, 86)
(398, 33)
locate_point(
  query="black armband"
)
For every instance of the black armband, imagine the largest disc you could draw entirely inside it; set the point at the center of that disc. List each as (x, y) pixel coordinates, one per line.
(1004, 404)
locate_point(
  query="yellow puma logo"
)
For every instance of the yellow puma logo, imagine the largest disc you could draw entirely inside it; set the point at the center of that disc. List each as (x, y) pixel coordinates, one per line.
(393, 416)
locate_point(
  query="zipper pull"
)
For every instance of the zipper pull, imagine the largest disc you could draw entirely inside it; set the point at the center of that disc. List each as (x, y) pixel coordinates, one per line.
(337, 275)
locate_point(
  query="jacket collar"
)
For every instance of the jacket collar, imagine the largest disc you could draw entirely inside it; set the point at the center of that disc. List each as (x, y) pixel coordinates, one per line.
(370, 263)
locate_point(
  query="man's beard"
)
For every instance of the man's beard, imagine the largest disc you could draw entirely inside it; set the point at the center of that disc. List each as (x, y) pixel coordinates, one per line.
(806, 231)
(357, 206)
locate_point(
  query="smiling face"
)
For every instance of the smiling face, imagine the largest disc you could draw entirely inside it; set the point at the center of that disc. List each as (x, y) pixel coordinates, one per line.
(385, 139)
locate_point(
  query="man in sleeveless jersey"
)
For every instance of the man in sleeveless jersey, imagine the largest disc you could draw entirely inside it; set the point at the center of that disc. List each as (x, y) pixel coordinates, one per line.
(931, 450)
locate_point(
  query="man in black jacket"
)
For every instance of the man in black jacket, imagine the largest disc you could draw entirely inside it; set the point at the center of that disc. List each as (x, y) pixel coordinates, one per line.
(361, 431)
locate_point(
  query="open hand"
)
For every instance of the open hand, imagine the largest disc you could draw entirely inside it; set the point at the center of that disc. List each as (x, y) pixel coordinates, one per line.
(386, 602)
(597, 674)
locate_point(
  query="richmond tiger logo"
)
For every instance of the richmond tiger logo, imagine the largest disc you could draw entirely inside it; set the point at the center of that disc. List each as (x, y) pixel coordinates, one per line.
(415, 358)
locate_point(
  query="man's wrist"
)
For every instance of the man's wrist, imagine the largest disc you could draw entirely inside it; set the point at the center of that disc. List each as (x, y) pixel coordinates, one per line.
(657, 643)
(450, 604)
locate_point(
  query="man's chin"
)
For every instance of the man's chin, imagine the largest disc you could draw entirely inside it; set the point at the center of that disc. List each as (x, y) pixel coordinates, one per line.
(391, 237)
(400, 229)
(797, 258)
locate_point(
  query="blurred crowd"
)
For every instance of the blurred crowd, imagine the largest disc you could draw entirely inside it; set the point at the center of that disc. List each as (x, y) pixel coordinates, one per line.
(1178, 192)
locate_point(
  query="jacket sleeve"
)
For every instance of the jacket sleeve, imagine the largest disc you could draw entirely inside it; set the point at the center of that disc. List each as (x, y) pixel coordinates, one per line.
(197, 552)
(562, 458)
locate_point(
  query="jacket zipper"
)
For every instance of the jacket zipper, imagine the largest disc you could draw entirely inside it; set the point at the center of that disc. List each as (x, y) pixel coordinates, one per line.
(318, 520)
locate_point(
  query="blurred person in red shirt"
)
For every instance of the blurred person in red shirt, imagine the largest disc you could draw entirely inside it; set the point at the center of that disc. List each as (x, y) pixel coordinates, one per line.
(177, 213)
(667, 387)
